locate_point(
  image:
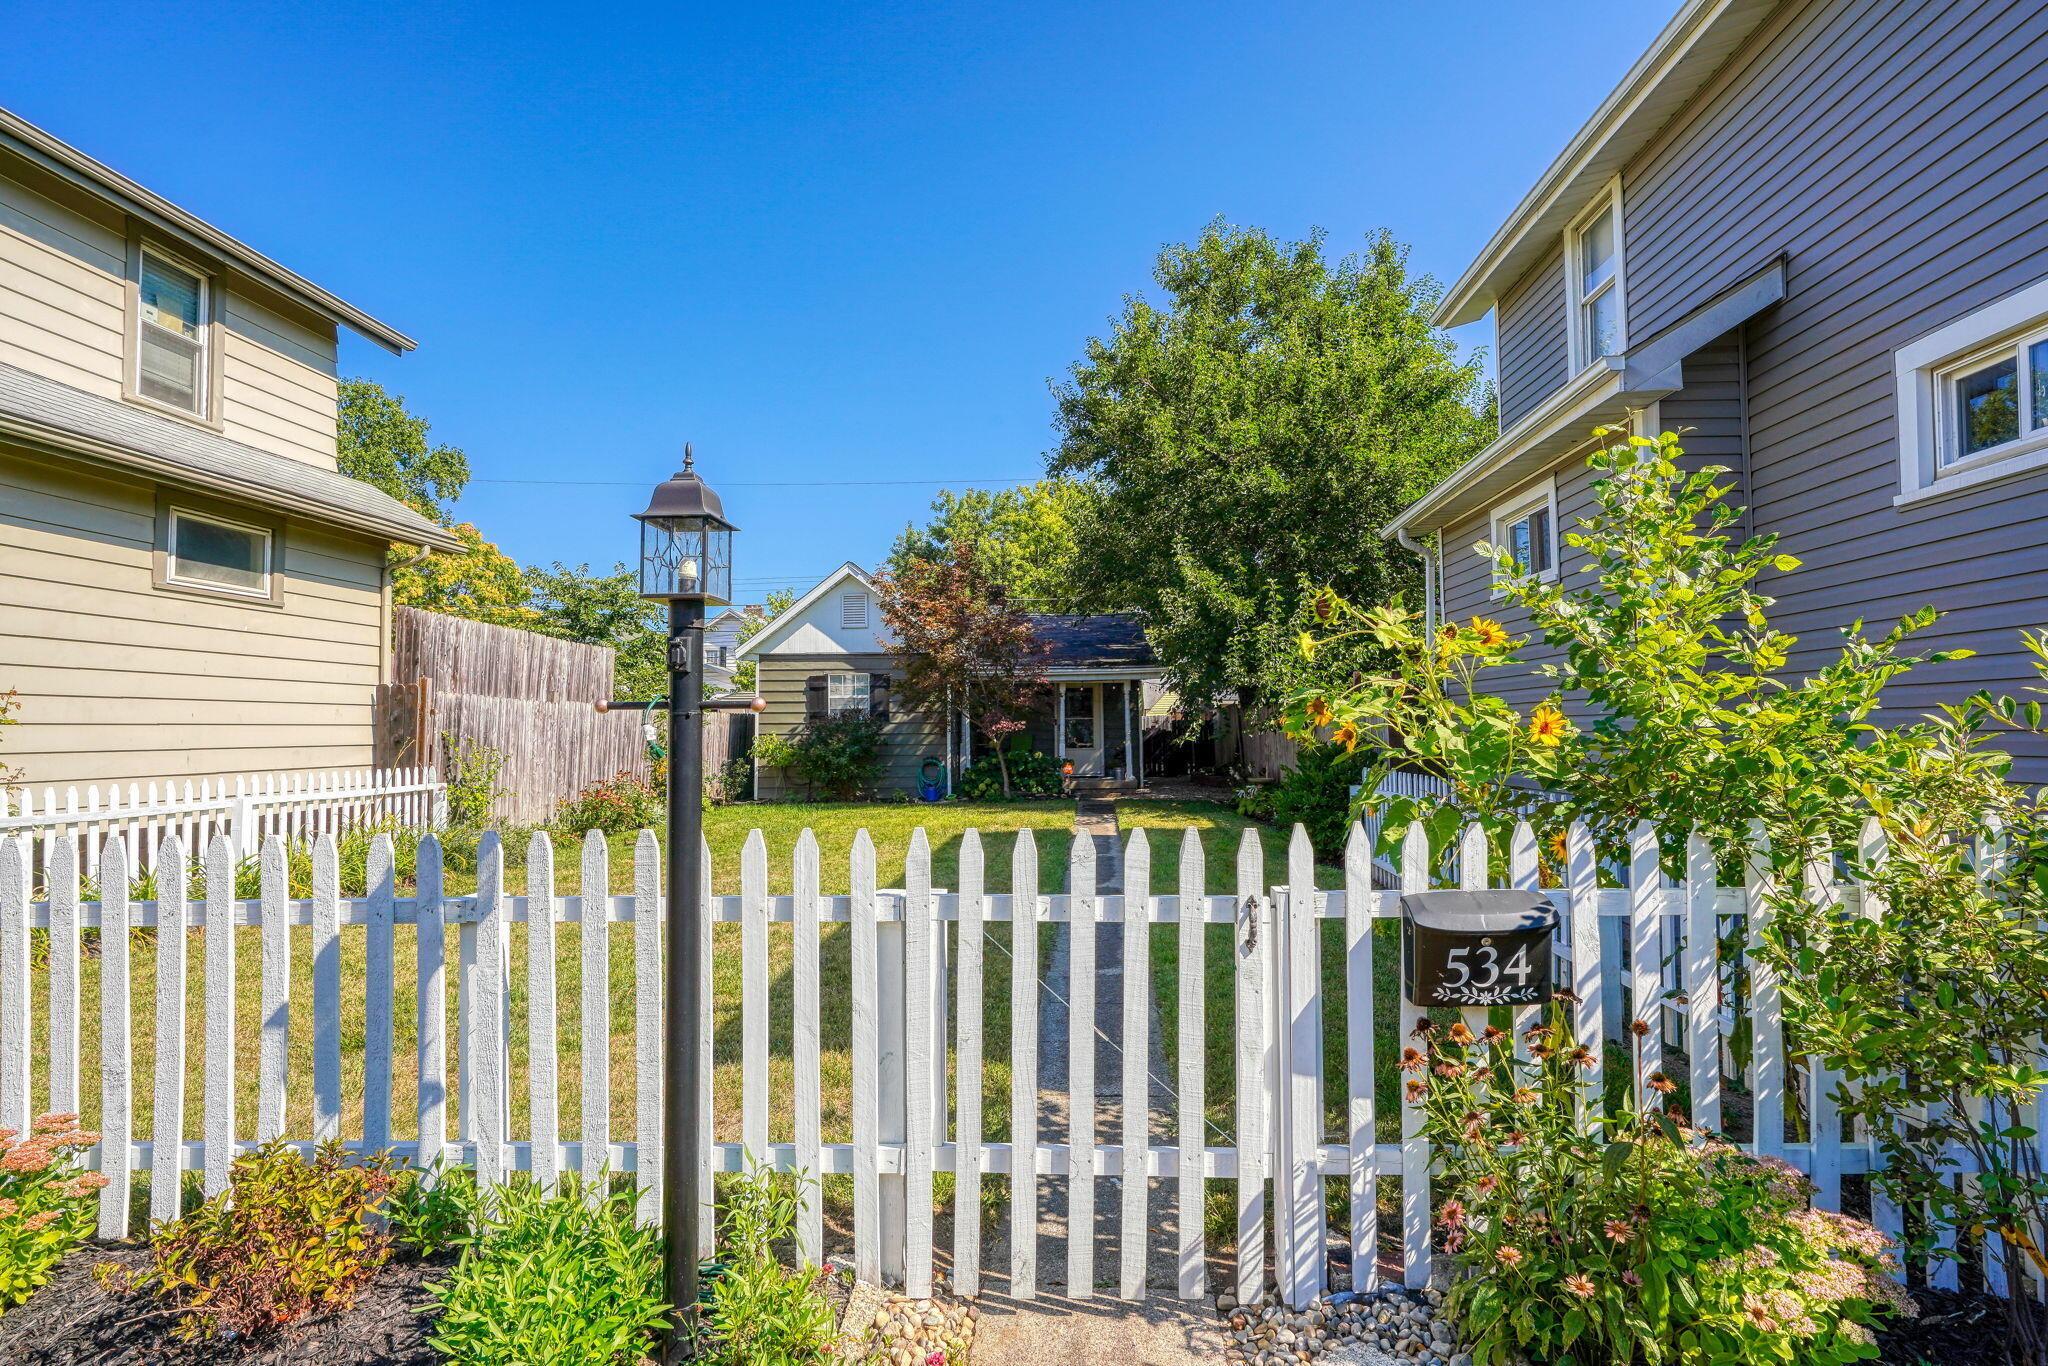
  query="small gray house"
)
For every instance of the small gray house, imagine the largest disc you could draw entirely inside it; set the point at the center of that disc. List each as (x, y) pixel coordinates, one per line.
(1815, 233)
(832, 653)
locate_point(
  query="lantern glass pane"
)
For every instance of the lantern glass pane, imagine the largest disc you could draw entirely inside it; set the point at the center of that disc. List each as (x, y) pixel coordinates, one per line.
(717, 569)
(671, 559)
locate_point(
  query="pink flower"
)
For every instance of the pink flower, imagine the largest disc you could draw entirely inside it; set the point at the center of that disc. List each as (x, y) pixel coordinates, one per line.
(935, 1359)
(1579, 1285)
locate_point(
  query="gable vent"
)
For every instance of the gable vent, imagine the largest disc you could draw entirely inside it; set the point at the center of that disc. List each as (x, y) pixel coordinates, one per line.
(853, 612)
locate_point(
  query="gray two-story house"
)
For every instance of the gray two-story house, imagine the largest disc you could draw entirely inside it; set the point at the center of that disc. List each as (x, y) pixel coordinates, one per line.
(1815, 232)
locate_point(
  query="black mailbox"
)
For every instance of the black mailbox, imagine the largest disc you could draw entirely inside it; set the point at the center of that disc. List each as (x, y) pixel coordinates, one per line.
(1489, 948)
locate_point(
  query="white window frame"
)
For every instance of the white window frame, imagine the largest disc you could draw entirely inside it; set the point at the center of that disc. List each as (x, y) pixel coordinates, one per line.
(1924, 373)
(1608, 203)
(204, 369)
(843, 698)
(1541, 495)
(848, 603)
(179, 514)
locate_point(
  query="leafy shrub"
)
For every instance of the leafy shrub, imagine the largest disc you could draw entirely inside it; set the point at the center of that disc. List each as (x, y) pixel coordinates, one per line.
(570, 1278)
(615, 805)
(46, 1202)
(1255, 802)
(1648, 1243)
(433, 1211)
(840, 756)
(1316, 792)
(1032, 774)
(734, 781)
(9, 702)
(762, 1312)
(287, 1239)
(474, 774)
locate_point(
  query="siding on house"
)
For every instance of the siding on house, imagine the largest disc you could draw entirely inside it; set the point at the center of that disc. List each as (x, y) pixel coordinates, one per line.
(1895, 156)
(1708, 415)
(63, 313)
(908, 739)
(1534, 360)
(121, 680)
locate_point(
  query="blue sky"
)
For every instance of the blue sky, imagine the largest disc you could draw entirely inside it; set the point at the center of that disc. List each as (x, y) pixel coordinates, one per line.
(825, 243)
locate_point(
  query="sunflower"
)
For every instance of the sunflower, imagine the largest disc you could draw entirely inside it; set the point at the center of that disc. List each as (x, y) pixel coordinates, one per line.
(1489, 633)
(1345, 735)
(1546, 725)
(1319, 713)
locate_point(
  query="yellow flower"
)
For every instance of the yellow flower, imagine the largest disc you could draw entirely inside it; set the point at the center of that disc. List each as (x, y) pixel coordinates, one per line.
(1319, 713)
(1546, 725)
(1490, 633)
(1346, 735)
(1308, 645)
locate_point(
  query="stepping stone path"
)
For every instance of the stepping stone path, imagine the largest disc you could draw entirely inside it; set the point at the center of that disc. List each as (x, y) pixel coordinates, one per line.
(1397, 1328)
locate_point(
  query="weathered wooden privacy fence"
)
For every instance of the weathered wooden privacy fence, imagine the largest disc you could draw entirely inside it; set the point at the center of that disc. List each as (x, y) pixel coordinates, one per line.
(917, 963)
(247, 809)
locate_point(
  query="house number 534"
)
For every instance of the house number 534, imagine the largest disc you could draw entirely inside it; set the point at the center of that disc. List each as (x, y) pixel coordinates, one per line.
(1479, 965)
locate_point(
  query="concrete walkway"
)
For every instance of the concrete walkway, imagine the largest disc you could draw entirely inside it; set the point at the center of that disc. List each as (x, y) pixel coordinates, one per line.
(1161, 1330)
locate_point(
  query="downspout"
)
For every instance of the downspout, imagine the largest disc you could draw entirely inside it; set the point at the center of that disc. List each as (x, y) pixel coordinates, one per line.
(1421, 552)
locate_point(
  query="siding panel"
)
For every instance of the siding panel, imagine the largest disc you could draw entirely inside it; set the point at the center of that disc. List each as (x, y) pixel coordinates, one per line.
(1534, 359)
(907, 741)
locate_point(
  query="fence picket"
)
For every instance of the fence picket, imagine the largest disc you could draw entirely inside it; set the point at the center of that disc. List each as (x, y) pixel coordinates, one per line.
(754, 996)
(1081, 888)
(1136, 942)
(277, 992)
(1822, 1103)
(1645, 960)
(117, 1106)
(707, 1195)
(1362, 1123)
(486, 1024)
(804, 978)
(1582, 882)
(594, 943)
(327, 990)
(1415, 1266)
(220, 1013)
(15, 856)
(431, 1041)
(967, 1135)
(1703, 982)
(542, 1083)
(1525, 874)
(1299, 1220)
(647, 1025)
(380, 873)
(867, 1132)
(1767, 1020)
(1192, 1207)
(1886, 1215)
(64, 975)
(1023, 1067)
(167, 1151)
(1250, 1083)
(920, 1128)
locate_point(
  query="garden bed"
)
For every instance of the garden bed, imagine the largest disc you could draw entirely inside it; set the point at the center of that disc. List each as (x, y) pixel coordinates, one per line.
(74, 1321)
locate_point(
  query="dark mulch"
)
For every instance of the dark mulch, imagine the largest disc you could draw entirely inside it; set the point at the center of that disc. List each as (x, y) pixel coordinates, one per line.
(1953, 1329)
(73, 1322)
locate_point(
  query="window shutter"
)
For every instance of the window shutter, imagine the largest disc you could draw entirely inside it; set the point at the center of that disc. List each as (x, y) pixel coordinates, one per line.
(878, 696)
(815, 704)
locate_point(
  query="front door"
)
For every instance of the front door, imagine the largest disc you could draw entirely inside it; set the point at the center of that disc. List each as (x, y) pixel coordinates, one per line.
(1081, 728)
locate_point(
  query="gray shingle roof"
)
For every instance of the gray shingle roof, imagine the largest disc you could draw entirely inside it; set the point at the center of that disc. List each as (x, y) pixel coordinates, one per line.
(108, 431)
(1107, 640)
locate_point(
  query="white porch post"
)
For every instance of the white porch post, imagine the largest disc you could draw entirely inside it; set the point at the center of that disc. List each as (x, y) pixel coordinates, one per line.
(1059, 721)
(1128, 770)
(1138, 735)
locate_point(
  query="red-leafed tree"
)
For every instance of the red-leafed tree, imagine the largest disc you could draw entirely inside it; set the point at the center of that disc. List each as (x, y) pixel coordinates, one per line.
(963, 646)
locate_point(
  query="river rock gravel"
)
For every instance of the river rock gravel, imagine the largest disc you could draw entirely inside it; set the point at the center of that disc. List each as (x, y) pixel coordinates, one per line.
(1393, 1328)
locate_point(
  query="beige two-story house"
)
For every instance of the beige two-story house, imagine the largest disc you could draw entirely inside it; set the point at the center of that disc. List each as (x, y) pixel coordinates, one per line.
(188, 585)
(1812, 235)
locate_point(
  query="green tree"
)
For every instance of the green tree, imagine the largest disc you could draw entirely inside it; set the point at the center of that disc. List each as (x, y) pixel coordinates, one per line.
(1254, 432)
(481, 583)
(605, 609)
(1022, 538)
(379, 441)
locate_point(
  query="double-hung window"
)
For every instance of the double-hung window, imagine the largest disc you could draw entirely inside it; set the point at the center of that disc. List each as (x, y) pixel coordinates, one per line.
(1973, 398)
(1594, 280)
(171, 362)
(1527, 529)
(847, 694)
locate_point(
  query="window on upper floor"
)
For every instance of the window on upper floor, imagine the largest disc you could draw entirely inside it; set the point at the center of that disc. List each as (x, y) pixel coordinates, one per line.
(172, 328)
(1594, 281)
(1973, 398)
(1526, 527)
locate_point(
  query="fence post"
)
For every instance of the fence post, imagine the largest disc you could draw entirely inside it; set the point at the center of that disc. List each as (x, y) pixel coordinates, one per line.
(1297, 1093)
(891, 1090)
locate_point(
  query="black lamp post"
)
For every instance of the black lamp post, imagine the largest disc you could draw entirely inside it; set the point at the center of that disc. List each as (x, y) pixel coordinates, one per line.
(685, 561)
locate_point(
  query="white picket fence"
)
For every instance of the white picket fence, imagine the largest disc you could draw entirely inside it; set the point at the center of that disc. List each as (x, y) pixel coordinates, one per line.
(917, 960)
(247, 809)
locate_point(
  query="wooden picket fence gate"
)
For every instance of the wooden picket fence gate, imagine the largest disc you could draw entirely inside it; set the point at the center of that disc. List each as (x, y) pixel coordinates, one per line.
(917, 962)
(247, 808)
